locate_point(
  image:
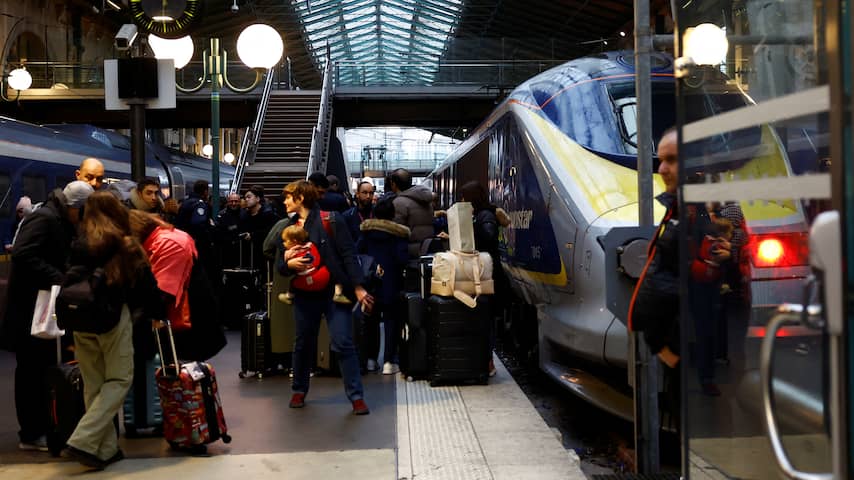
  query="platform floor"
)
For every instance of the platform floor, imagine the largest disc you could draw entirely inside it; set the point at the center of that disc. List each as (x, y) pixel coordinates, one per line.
(413, 432)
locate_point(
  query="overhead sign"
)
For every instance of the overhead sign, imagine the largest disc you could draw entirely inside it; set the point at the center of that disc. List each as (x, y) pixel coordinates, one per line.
(165, 87)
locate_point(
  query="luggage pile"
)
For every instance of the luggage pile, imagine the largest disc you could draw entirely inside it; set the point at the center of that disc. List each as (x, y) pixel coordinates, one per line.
(447, 334)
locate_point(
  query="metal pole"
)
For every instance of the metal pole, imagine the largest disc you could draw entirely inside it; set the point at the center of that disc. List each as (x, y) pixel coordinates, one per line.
(216, 78)
(647, 423)
(137, 141)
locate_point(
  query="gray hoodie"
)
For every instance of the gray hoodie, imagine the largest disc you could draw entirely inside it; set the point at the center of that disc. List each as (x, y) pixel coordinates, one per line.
(413, 207)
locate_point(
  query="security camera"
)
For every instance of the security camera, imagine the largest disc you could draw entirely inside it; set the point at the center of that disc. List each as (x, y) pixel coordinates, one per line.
(234, 7)
(126, 36)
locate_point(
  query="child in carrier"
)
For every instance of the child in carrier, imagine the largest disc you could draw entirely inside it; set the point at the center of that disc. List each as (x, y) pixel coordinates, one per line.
(313, 279)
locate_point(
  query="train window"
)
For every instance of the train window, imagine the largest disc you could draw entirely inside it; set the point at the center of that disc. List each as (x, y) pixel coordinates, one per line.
(35, 186)
(6, 192)
(623, 98)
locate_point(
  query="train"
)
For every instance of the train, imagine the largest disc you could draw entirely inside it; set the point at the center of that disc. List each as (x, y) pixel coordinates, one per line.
(35, 159)
(559, 154)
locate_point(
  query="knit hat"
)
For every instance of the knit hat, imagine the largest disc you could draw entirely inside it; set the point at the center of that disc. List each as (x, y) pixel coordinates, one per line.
(76, 193)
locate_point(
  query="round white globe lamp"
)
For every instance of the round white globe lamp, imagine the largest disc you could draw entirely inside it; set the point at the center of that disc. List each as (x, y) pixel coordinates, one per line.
(207, 150)
(229, 158)
(706, 44)
(20, 79)
(180, 49)
(260, 46)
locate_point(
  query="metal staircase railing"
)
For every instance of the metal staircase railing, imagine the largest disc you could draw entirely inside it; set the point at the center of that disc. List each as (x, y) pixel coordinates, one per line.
(252, 135)
(322, 131)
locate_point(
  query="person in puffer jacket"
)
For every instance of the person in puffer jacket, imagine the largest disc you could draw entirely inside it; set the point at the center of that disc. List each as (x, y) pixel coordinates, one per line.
(413, 207)
(387, 242)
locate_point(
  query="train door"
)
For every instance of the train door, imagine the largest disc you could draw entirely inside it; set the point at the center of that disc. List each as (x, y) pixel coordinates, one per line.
(760, 370)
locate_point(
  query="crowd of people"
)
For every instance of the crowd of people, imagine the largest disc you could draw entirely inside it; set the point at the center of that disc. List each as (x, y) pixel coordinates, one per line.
(153, 250)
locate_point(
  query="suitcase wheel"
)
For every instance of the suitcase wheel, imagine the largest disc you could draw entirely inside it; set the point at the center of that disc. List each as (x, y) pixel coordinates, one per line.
(241, 374)
(226, 438)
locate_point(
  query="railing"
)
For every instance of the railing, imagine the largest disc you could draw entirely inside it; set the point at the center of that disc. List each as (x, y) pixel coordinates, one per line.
(488, 74)
(319, 138)
(252, 135)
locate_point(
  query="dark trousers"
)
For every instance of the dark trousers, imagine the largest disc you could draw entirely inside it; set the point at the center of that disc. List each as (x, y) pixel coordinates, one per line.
(390, 315)
(32, 399)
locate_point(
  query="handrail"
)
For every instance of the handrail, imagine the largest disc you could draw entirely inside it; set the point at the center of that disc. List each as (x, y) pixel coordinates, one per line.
(252, 136)
(318, 135)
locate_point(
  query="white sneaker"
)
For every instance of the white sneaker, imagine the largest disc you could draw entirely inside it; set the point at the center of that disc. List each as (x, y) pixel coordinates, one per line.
(39, 444)
(372, 365)
(390, 368)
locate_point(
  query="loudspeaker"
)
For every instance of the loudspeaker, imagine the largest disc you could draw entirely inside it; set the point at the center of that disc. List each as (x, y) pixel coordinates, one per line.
(138, 77)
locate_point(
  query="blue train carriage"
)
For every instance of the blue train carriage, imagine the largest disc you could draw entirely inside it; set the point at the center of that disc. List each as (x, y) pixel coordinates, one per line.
(36, 159)
(559, 155)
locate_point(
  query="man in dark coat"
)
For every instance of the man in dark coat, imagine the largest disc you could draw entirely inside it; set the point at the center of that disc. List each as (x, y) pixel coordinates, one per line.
(194, 217)
(413, 207)
(256, 220)
(38, 262)
(227, 231)
(363, 210)
(330, 200)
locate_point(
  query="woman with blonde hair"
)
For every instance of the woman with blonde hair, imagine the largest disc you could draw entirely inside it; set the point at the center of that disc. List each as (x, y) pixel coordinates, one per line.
(104, 349)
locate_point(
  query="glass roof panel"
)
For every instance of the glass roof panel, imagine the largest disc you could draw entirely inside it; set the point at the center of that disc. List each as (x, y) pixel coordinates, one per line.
(395, 32)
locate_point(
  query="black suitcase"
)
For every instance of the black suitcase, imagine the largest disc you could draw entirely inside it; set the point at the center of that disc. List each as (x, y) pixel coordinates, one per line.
(65, 385)
(254, 344)
(413, 346)
(459, 341)
(243, 291)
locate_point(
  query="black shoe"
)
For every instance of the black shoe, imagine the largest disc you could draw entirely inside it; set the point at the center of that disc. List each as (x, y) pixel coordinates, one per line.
(119, 455)
(711, 390)
(84, 458)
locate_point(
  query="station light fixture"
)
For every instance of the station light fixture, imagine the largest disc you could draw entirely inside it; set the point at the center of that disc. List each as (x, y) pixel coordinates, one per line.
(20, 79)
(260, 46)
(180, 49)
(228, 158)
(705, 44)
(207, 150)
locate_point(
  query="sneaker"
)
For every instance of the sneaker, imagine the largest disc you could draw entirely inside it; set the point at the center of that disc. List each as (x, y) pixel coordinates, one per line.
(297, 400)
(390, 368)
(37, 445)
(84, 458)
(360, 407)
(341, 299)
(372, 365)
(492, 370)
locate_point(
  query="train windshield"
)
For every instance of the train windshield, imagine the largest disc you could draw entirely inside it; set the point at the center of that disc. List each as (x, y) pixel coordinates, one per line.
(625, 102)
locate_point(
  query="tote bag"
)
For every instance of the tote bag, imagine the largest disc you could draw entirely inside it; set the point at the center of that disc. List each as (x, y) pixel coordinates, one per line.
(44, 316)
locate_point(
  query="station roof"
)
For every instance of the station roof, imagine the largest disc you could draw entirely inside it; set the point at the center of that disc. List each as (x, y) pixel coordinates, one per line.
(408, 42)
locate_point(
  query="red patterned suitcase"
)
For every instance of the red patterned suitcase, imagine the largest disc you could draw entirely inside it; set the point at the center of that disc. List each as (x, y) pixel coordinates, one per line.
(192, 409)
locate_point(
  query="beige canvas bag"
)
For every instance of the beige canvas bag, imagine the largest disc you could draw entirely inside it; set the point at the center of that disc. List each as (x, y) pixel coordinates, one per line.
(462, 275)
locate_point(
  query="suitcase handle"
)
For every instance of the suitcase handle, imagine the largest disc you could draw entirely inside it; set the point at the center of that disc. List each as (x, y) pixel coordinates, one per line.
(172, 343)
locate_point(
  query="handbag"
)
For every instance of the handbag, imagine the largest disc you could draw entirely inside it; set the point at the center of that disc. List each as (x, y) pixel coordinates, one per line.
(44, 315)
(462, 275)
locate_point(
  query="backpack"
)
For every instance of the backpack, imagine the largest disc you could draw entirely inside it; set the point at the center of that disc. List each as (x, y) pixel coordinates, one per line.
(85, 303)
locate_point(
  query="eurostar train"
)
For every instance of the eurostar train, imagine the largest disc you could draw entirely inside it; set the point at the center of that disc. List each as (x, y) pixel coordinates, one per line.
(559, 155)
(36, 159)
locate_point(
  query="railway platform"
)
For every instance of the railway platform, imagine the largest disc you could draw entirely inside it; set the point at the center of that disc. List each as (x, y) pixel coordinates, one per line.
(414, 431)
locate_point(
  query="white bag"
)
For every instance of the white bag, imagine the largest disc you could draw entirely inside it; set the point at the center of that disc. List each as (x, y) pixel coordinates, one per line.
(461, 275)
(44, 316)
(461, 227)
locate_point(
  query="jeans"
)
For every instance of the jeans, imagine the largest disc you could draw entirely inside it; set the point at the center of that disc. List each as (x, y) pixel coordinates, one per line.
(32, 399)
(309, 307)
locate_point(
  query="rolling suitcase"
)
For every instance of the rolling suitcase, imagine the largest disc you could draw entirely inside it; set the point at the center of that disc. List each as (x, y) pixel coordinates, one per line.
(243, 291)
(189, 396)
(459, 341)
(254, 345)
(413, 346)
(142, 410)
(67, 406)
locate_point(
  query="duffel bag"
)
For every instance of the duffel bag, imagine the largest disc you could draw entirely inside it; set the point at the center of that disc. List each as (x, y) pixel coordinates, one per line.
(462, 275)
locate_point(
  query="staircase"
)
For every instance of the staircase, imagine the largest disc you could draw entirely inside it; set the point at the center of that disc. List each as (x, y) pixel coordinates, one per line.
(285, 143)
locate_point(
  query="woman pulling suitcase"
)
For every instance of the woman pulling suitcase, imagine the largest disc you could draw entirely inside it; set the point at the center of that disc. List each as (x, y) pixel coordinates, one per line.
(336, 248)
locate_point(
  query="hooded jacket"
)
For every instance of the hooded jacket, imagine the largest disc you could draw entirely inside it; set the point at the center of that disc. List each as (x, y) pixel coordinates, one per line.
(413, 207)
(39, 258)
(136, 202)
(387, 242)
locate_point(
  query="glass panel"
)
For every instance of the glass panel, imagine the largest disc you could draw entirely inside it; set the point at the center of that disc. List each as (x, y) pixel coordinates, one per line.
(35, 187)
(748, 176)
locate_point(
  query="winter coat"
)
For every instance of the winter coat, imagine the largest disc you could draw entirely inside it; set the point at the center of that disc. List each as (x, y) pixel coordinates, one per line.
(387, 242)
(135, 202)
(333, 202)
(171, 253)
(338, 252)
(257, 226)
(413, 207)
(354, 218)
(39, 260)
